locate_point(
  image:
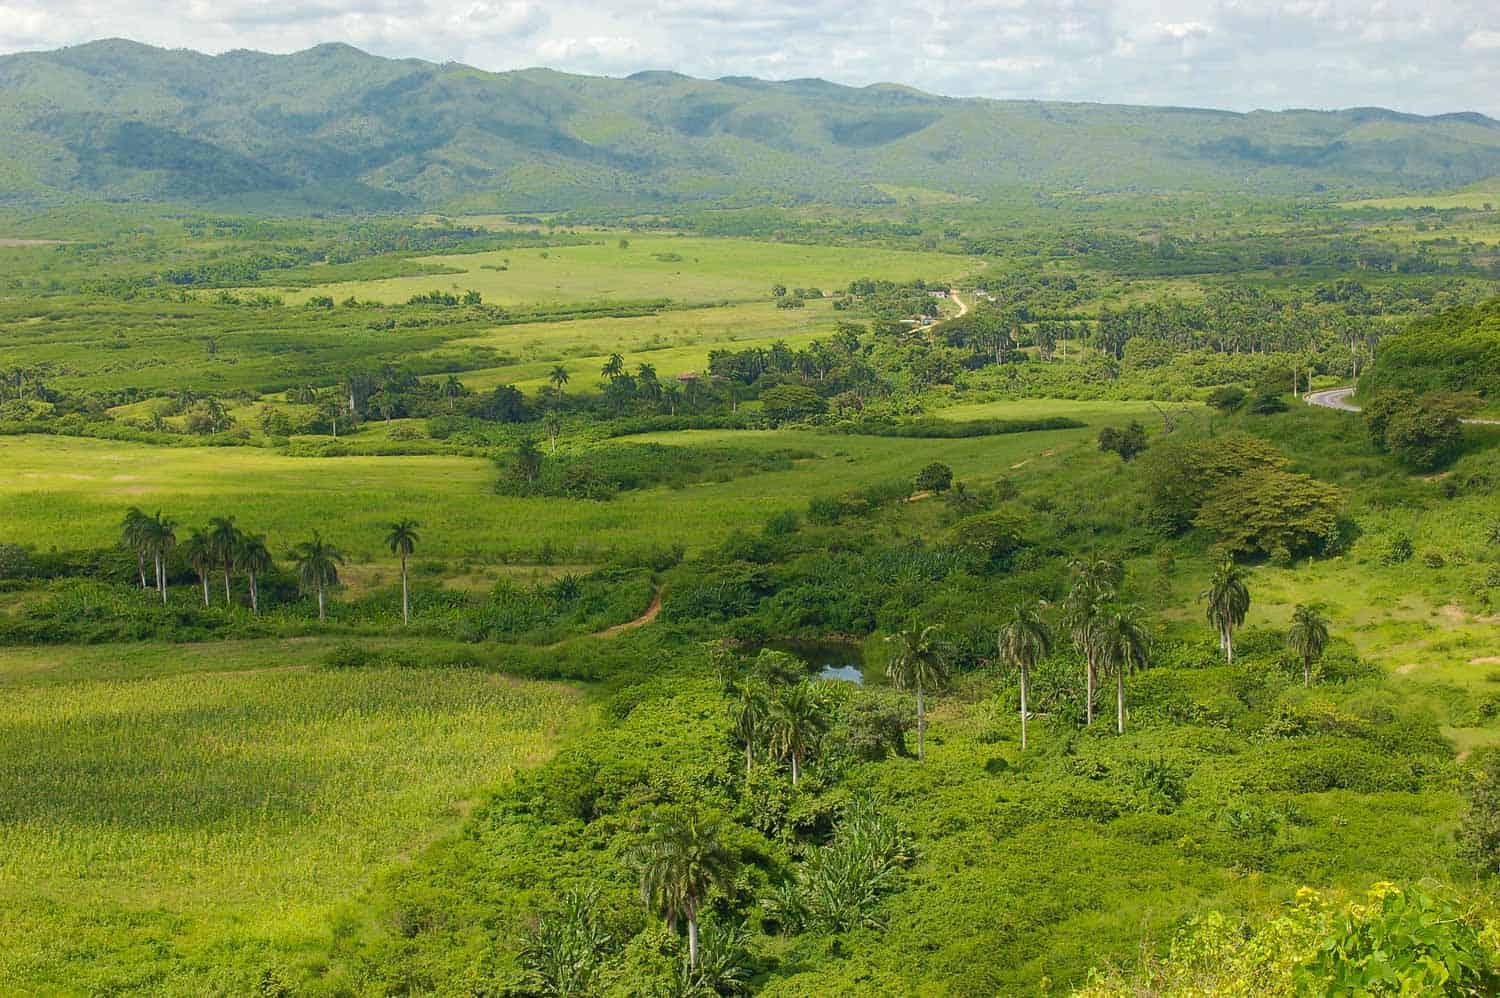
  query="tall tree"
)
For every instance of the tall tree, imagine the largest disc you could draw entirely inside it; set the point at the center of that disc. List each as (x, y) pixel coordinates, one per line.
(1025, 639)
(453, 390)
(682, 860)
(318, 564)
(558, 377)
(795, 721)
(748, 716)
(198, 552)
(1122, 645)
(1307, 638)
(1228, 600)
(224, 541)
(613, 367)
(552, 423)
(161, 539)
(1094, 582)
(133, 535)
(919, 663)
(253, 558)
(401, 537)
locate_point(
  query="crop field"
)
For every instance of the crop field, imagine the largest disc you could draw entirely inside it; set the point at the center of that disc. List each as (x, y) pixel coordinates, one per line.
(180, 832)
(684, 269)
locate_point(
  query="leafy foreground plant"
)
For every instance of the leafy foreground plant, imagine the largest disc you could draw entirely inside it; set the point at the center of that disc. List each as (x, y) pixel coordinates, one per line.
(839, 887)
(566, 953)
(1400, 941)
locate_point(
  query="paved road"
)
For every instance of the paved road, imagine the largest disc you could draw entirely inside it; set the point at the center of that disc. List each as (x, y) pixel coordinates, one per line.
(1338, 398)
(1333, 398)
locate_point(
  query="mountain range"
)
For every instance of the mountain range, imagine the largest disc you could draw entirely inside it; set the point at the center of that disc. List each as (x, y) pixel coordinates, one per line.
(334, 127)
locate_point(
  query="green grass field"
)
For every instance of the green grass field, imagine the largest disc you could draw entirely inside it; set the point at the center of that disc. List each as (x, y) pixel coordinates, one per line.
(1461, 199)
(709, 270)
(673, 342)
(180, 832)
(71, 492)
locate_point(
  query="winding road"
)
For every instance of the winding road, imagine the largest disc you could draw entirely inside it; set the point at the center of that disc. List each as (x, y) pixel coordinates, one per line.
(1338, 398)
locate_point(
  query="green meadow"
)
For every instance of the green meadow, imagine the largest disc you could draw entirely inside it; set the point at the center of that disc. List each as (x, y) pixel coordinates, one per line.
(684, 269)
(73, 491)
(674, 342)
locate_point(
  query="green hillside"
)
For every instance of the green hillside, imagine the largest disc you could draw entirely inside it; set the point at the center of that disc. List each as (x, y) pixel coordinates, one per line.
(1457, 350)
(334, 127)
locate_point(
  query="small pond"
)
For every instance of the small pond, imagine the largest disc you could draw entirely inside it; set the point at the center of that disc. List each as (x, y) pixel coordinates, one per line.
(842, 661)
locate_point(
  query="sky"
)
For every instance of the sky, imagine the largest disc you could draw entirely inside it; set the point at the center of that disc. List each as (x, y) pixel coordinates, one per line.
(1423, 56)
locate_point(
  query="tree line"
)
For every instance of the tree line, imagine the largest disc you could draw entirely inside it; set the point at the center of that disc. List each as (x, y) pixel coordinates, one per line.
(222, 548)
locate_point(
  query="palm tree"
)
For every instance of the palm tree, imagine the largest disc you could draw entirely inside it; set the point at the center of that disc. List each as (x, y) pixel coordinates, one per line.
(133, 535)
(453, 389)
(748, 715)
(224, 540)
(1121, 645)
(552, 423)
(318, 566)
(1228, 602)
(558, 377)
(198, 551)
(1025, 639)
(682, 859)
(1094, 582)
(402, 539)
(1098, 574)
(1080, 614)
(614, 367)
(161, 538)
(918, 662)
(1307, 638)
(253, 558)
(795, 721)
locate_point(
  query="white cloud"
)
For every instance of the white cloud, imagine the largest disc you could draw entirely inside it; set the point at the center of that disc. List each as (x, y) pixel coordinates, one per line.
(1413, 55)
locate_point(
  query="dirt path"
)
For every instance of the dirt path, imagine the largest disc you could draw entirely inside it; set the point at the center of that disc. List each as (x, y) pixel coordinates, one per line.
(1338, 398)
(641, 621)
(963, 309)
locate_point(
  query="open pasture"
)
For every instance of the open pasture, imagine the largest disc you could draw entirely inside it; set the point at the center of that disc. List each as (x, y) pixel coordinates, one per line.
(672, 341)
(684, 269)
(71, 492)
(185, 833)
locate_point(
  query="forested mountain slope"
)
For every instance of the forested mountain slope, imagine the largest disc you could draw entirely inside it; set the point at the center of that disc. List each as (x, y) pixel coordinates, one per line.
(335, 127)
